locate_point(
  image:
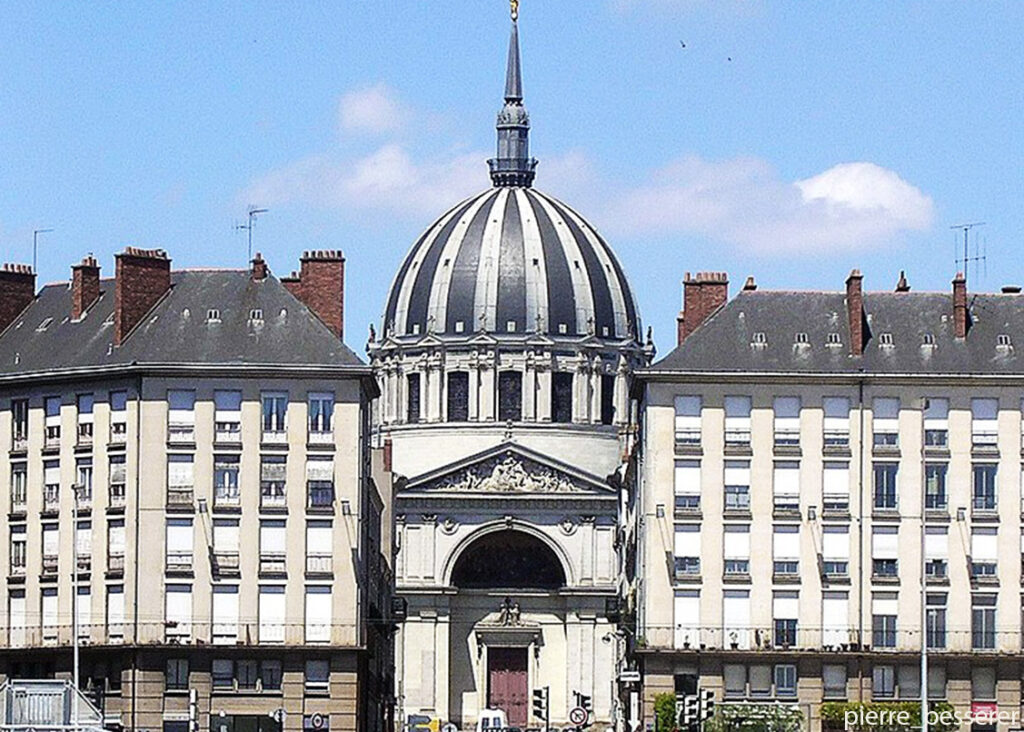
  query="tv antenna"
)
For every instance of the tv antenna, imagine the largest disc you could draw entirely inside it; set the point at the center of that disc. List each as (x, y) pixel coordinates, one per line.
(967, 258)
(35, 245)
(250, 225)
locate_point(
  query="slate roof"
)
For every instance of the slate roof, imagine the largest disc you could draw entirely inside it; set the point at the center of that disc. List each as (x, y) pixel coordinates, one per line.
(176, 330)
(725, 342)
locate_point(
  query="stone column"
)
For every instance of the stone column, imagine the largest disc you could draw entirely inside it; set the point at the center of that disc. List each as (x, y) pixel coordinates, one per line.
(529, 389)
(544, 388)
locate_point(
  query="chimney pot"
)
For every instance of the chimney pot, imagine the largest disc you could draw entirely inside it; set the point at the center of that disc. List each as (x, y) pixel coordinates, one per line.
(320, 285)
(141, 278)
(85, 286)
(855, 312)
(259, 268)
(1011, 289)
(961, 318)
(17, 291)
(902, 285)
(702, 295)
(750, 285)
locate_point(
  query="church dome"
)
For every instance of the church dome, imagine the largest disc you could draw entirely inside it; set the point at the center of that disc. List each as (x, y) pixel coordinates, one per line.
(512, 260)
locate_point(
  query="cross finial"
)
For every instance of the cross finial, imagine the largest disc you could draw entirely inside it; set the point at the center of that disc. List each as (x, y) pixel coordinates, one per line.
(515, 9)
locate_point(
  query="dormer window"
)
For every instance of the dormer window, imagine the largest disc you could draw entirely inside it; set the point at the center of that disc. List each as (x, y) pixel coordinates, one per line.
(1003, 340)
(44, 325)
(760, 339)
(460, 326)
(510, 326)
(415, 328)
(213, 315)
(928, 339)
(256, 315)
(800, 338)
(833, 339)
(885, 339)
(563, 328)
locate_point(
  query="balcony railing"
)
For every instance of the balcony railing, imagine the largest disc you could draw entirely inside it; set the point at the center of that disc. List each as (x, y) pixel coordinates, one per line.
(272, 563)
(227, 432)
(116, 495)
(688, 436)
(273, 497)
(179, 561)
(179, 496)
(118, 432)
(275, 437)
(85, 434)
(319, 564)
(19, 443)
(181, 433)
(50, 564)
(84, 563)
(17, 570)
(227, 497)
(115, 563)
(51, 498)
(321, 438)
(225, 563)
(837, 438)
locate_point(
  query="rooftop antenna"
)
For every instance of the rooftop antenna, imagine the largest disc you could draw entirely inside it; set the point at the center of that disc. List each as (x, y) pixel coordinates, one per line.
(967, 259)
(250, 225)
(35, 245)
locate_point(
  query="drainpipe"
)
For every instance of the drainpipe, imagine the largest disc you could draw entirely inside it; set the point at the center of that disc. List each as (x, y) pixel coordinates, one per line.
(135, 611)
(860, 536)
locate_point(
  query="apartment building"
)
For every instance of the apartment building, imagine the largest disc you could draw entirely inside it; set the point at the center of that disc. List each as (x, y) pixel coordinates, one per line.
(815, 466)
(189, 485)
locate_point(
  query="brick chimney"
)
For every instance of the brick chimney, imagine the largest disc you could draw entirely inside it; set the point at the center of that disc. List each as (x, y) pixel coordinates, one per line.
(702, 296)
(142, 277)
(961, 318)
(320, 285)
(855, 311)
(260, 270)
(85, 286)
(17, 291)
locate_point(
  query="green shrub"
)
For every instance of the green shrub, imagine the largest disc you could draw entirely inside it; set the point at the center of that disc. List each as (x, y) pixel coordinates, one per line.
(665, 712)
(833, 715)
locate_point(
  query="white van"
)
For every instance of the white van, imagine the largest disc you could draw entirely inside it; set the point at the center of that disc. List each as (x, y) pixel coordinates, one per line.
(491, 719)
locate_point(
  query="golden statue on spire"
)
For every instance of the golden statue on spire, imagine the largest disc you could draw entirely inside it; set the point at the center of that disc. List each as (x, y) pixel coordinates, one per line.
(515, 9)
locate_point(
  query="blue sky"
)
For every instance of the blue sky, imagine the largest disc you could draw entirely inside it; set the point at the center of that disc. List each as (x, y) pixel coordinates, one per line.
(839, 135)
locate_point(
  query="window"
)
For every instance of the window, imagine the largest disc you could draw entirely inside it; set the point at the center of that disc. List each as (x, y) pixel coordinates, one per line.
(883, 682)
(16, 614)
(737, 485)
(83, 543)
(115, 612)
(510, 396)
(785, 611)
(936, 552)
(884, 552)
(885, 413)
(118, 416)
(734, 676)
(983, 622)
(786, 485)
(412, 382)
(180, 544)
(180, 479)
(687, 486)
(687, 618)
(687, 550)
(115, 544)
(51, 548)
(885, 485)
(116, 488)
(227, 417)
(273, 472)
(19, 424)
(984, 425)
(321, 414)
(83, 484)
(246, 673)
(785, 679)
(935, 620)
(561, 397)
(737, 549)
(984, 482)
(225, 480)
(48, 612)
(275, 411)
(935, 497)
(837, 421)
(786, 550)
(737, 420)
(270, 675)
(318, 614)
(908, 682)
(85, 419)
(759, 678)
(687, 423)
(213, 315)
(883, 619)
(787, 421)
(320, 482)
(936, 681)
(984, 551)
(760, 339)
(225, 614)
(272, 545)
(271, 614)
(52, 408)
(19, 546)
(835, 551)
(176, 677)
(178, 611)
(319, 547)
(222, 671)
(983, 683)
(19, 486)
(225, 544)
(317, 676)
(181, 416)
(836, 487)
(936, 423)
(736, 618)
(458, 396)
(833, 678)
(607, 399)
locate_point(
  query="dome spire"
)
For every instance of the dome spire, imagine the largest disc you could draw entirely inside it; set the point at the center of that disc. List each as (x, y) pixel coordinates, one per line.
(513, 165)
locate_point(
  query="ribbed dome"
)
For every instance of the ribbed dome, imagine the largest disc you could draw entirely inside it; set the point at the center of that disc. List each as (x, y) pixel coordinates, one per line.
(511, 260)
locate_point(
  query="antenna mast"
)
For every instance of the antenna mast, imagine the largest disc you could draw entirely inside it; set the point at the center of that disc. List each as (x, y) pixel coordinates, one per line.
(250, 225)
(967, 259)
(35, 245)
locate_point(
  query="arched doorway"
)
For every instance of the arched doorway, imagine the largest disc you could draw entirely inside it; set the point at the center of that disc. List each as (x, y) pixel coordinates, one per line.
(508, 559)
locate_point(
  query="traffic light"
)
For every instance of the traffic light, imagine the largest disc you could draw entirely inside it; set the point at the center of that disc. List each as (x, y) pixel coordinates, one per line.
(691, 711)
(707, 704)
(587, 702)
(540, 704)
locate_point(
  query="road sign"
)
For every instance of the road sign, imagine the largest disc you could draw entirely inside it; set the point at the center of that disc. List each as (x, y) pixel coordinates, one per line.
(627, 677)
(578, 716)
(449, 727)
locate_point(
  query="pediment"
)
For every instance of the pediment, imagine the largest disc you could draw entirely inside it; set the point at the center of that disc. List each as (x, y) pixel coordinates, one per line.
(508, 469)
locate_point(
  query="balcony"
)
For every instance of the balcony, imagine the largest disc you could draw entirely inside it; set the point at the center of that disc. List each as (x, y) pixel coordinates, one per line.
(687, 505)
(272, 563)
(179, 562)
(272, 496)
(320, 497)
(51, 499)
(118, 433)
(19, 504)
(52, 440)
(83, 497)
(321, 439)
(84, 435)
(181, 434)
(115, 564)
(319, 564)
(19, 443)
(836, 440)
(227, 433)
(179, 497)
(226, 563)
(17, 570)
(50, 564)
(686, 569)
(115, 495)
(274, 437)
(688, 439)
(227, 497)
(84, 563)
(786, 571)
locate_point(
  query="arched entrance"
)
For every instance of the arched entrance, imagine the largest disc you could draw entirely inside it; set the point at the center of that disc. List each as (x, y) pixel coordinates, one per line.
(508, 559)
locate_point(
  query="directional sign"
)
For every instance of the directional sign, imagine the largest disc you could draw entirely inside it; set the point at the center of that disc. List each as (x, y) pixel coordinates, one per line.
(578, 716)
(629, 677)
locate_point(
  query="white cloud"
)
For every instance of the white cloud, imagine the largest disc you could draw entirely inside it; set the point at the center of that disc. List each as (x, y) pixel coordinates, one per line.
(744, 202)
(372, 109)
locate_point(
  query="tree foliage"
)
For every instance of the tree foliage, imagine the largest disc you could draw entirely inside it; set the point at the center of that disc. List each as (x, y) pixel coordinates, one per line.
(665, 712)
(833, 715)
